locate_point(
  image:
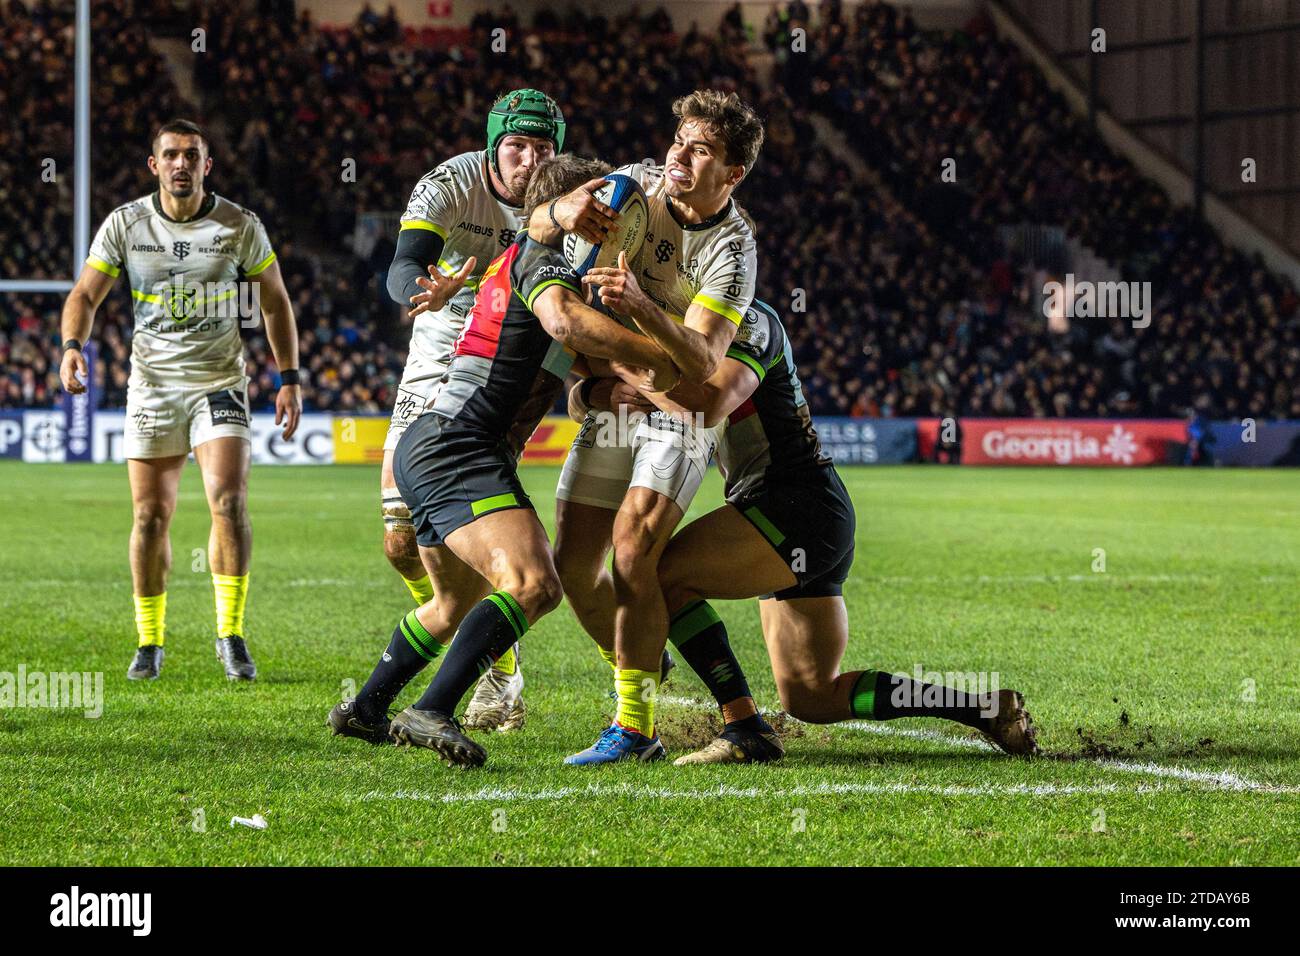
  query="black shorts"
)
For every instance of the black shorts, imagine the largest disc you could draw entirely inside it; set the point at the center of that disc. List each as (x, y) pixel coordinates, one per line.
(450, 473)
(811, 524)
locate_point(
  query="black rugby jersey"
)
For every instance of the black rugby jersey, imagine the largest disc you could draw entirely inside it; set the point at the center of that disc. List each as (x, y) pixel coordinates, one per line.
(506, 371)
(770, 436)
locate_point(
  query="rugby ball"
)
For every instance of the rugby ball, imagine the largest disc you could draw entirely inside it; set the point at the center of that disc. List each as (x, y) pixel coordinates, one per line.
(625, 196)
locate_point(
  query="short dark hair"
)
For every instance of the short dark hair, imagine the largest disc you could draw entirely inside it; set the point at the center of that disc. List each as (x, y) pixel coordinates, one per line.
(560, 175)
(729, 118)
(182, 127)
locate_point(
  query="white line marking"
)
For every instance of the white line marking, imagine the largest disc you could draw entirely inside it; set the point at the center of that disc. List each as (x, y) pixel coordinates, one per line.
(1224, 779)
(1216, 779)
(1072, 579)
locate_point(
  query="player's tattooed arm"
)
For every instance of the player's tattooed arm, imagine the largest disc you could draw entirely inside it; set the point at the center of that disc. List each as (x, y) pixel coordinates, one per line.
(282, 334)
(696, 345)
(78, 319)
(576, 325)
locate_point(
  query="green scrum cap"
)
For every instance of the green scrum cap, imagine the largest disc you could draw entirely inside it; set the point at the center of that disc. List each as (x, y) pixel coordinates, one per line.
(524, 113)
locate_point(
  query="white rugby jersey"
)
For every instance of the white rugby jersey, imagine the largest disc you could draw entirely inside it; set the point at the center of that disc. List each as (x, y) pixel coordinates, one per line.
(714, 262)
(184, 279)
(456, 201)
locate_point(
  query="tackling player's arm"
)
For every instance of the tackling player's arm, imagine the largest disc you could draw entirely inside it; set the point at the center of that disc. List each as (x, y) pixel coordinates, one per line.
(577, 326)
(724, 392)
(282, 334)
(696, 345)
(78, 319)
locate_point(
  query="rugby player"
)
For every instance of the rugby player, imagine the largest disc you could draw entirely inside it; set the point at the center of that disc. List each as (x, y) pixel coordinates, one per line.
(693, 279)
(455, 467)
(460, 217)
(786, 536)
(185, 251)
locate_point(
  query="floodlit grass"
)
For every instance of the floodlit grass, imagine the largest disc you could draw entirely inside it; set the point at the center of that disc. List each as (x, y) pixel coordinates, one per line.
(1165, 689)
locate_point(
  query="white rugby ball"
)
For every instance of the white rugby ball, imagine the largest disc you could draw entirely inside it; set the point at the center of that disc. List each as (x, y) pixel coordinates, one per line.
(625, 196)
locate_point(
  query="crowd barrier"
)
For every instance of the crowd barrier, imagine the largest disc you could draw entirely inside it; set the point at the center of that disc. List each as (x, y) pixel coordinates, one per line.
(76, 433)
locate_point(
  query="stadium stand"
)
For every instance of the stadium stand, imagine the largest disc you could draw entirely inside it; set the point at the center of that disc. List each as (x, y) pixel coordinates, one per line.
(912, 305)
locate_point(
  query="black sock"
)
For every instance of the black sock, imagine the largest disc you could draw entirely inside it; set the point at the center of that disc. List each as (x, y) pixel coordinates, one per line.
(409, 651)
(491, 628)
(877, 695)
(754, 723)
(701, 638)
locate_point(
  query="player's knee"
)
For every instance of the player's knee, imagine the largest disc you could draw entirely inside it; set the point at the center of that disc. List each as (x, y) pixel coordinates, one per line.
(230, 504)
(636, 554)
(152, 520)
(577, 577)
(400, 548)
(677, 589)
(537, 591)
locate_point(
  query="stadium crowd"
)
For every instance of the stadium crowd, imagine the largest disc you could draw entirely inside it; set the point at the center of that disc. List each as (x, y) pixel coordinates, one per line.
(899, 299)
(1225, 333)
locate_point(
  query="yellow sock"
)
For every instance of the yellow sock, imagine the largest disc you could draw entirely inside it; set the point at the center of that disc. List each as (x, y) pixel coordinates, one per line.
(505, 664)
(421, 589)
(150, 617)
(232, 591)
(609, 659)
(636, 699)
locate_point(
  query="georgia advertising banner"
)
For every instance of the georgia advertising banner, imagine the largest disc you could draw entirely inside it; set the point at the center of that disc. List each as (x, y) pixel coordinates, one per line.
(1108, 443)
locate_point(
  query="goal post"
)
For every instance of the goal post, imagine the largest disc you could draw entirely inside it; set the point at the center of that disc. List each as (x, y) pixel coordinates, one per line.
(80, 166)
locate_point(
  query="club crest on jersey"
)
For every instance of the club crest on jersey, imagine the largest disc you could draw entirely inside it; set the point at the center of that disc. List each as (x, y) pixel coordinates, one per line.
(180, 300)
(180, 249)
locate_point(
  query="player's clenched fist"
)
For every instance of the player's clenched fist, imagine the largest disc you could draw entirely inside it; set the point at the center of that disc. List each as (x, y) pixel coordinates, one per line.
(618, 289)
(439, 288)
(74, 364)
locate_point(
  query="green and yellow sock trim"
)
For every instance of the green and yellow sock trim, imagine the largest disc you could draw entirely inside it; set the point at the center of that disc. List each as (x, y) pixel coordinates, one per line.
(862, 699)
(695, 618)
(418, 637)
(513, 613)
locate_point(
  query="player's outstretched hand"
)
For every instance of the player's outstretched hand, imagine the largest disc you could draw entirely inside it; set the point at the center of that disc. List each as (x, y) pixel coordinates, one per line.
(440, 288)
(619, 290)
(581, 212)
(288, 409)
(74, 364)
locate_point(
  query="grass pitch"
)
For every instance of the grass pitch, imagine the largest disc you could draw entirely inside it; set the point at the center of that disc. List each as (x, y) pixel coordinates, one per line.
(1165, 689)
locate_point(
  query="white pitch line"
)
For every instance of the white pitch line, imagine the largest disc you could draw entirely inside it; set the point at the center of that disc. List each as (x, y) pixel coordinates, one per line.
(1224, 779)
(726, 791)
(1100, 578)
(1218, 779)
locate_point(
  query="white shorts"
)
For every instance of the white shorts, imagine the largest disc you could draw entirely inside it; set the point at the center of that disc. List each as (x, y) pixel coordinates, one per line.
(657, 451)
(162, 421)
(419, 383)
